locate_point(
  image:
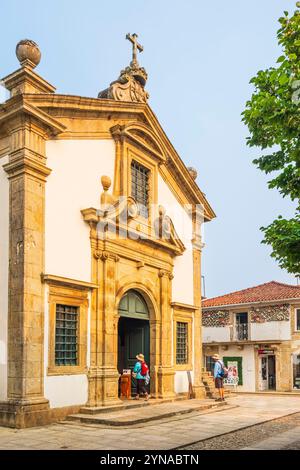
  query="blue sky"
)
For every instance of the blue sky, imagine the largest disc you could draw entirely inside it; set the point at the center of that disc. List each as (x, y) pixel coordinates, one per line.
(200, 57)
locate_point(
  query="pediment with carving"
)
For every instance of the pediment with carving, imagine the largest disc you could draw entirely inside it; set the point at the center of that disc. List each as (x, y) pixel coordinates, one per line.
(142, 136)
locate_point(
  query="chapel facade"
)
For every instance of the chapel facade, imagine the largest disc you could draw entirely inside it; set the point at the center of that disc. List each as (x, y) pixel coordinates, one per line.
(100, 247)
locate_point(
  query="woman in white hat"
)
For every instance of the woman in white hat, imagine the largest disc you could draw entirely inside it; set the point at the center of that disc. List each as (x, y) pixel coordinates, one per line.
(140, 372)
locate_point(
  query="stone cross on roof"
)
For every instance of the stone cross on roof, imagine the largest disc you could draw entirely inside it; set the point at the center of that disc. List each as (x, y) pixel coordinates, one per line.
(135, 47)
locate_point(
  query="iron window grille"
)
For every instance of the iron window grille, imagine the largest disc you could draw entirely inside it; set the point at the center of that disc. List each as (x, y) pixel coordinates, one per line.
(140, 186)
(66, 335)
(181, 343)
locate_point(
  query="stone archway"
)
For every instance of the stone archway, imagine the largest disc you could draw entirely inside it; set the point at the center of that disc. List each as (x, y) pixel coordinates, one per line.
(133, 332)
(148, 314)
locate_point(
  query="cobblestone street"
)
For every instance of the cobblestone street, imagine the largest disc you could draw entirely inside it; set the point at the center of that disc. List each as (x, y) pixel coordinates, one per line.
(180, 431)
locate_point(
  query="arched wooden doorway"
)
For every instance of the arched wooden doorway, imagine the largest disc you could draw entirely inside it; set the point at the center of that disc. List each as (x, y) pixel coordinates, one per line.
(133, 331)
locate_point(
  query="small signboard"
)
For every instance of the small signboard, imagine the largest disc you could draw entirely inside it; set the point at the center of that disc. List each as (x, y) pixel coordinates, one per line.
(266, 351)
(232, 367)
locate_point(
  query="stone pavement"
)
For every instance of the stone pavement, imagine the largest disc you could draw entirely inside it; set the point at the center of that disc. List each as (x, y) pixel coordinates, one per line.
(288, 439)
(242, 411)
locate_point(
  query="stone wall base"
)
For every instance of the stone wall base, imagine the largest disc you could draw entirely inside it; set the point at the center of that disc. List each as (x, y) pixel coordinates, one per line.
(20, 415)
(199, 392)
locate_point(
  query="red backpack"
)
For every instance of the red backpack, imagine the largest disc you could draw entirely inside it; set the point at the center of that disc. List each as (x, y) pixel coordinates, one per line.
(144, 369)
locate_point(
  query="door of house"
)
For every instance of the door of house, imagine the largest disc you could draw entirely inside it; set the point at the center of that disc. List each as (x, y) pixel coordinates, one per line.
(267, 373)
(263, 373)
(271, 372)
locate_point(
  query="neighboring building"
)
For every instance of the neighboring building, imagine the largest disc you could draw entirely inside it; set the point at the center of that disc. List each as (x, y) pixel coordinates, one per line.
(257, 332)
(86, 283)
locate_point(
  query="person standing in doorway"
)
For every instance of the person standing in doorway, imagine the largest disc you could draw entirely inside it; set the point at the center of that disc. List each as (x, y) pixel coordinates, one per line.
(219, 373)
(140, 372)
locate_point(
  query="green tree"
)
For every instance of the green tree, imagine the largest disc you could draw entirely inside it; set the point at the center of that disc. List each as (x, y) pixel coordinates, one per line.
(273, 119)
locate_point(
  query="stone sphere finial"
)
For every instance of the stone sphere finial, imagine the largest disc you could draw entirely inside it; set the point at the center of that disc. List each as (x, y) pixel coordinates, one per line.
(106, 182)
(193, 172)
(28, 53)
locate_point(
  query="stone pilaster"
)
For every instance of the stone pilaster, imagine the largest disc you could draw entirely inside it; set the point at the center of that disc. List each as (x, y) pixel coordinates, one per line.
(103, 375)
(165, 371)
(284, 373)
(198, 386)
(27, 174)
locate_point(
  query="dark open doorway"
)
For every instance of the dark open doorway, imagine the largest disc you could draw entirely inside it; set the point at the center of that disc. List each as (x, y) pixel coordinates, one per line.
(271, 373)
(133, 332)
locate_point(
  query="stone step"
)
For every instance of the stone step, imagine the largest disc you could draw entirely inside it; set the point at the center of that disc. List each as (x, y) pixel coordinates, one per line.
(128, 404)
(131, 416)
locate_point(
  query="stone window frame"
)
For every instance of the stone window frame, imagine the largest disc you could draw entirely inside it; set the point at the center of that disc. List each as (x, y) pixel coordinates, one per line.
(141, 172)
(134, 155)
(183, 317)
(75, 298)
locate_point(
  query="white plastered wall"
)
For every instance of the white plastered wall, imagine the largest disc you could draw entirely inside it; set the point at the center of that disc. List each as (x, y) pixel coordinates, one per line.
(73, 185)
(277, 330)
(4, 259)
(182, 284)
(215, 333)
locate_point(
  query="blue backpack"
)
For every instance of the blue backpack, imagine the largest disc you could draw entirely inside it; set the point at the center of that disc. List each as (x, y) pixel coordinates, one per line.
(224, 371)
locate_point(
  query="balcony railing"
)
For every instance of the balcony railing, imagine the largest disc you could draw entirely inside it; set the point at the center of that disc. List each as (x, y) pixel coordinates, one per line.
(242, 332)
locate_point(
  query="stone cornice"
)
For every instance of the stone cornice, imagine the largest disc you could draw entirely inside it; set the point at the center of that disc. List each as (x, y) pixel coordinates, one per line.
(25, 80)
(27, 166)
(180, 306)
(19, 106)
(65, 281)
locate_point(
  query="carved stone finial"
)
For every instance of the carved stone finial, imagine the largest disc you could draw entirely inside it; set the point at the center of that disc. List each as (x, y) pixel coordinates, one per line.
(193, 172)
(28, 53)
(162, 211)
(106, 182)
(106, 199)
(132, 80)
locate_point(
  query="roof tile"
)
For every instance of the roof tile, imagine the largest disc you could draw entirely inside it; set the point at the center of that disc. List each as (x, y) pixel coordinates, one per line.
(262, 293)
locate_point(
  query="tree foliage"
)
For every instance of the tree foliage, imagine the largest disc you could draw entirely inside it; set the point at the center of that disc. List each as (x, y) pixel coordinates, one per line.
(273, 119)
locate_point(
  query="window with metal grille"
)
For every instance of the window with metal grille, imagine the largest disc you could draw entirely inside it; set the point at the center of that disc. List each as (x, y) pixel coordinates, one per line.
(66, 335)
(140, 186)
(181, 343)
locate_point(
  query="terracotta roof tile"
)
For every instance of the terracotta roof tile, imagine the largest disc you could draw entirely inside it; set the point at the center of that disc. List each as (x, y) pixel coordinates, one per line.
(263, 293)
